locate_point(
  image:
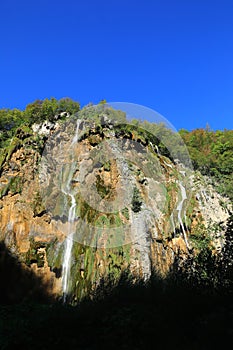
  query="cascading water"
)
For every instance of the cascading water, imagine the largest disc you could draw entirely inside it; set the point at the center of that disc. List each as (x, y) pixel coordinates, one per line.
(167, 164)
(157, 150)
(67, 190)
(179, 209)
(68, 249)
(173, 223)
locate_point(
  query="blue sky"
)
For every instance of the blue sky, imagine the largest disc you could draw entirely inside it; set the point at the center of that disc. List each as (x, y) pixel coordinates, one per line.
(174, 56)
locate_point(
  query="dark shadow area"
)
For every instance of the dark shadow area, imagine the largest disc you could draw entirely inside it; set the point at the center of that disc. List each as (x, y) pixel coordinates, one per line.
(158, 315)
(190, 309)
(18, 283)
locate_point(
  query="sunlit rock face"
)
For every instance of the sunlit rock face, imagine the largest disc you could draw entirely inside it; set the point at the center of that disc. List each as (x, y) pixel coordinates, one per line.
(104, 198)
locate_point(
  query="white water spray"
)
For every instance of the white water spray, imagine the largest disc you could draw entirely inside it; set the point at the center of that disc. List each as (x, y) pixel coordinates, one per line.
(167, 164)
(179, 209)
(157, 150)
(67, 190)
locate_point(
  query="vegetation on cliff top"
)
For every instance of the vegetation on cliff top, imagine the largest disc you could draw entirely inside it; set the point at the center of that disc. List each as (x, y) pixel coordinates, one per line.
(211, 151)
(11, 121)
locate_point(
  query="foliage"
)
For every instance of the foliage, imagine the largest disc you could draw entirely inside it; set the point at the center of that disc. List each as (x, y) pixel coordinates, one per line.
(212, 153)
(226, 264)
(101, 114)
(204, 267)
(37, 205)
(127, 316)
(9, 121)
(15, 125)
(39, 110)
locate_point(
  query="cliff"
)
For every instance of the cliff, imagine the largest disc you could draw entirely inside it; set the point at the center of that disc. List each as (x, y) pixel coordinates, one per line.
(92, 196)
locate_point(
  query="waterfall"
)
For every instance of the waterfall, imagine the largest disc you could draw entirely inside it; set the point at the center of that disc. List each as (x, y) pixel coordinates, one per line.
(67, 190)
(167, 164)
(157, 150)
(173, 223)
(66, 265)
(179, 209)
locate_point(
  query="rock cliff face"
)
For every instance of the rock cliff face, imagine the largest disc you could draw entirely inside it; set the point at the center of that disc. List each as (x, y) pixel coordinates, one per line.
(102, 199)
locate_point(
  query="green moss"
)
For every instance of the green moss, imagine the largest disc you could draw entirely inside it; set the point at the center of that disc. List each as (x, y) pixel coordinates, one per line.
(85, 273)
(3, 156)
(34, 255)
(102, 189)
(200, 239)
(168, 191)
(107, 166)
(86, 211)
(136, 200)
(14, 185)
(4, 191)
(115, 220)
(78, 285)
(54, 251)
(117, 262)
(190, 207)
(37, 204)
(59, 205)
(125, 212)
(102, 221)
(31, 256)
(14, 145)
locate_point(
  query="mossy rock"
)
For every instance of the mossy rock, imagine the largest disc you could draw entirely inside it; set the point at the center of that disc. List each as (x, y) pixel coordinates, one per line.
(136, 200)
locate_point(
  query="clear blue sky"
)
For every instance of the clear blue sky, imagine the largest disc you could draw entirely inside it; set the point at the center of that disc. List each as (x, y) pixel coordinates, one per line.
(174, 56)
